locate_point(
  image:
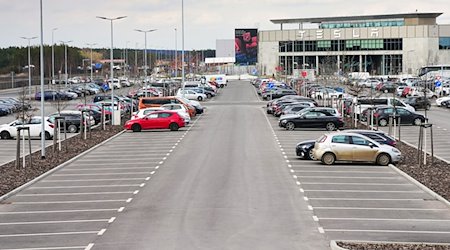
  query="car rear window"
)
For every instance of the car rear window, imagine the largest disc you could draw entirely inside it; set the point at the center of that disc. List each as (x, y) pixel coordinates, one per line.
(340, 139)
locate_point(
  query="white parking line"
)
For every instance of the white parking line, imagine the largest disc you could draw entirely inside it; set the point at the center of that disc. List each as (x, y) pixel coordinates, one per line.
(101, 169)
(360, 183)
(61, 211)
(387, 219)
(362, 199)
(349, 177)
(46, 248)
(46, 234)
(78, 163)
(90, 246)
(60, 187)
(381, 208)
(66, 194)
(52, 222)
(117, 179)
(101, 232)
(338, 171)
(387, 231)
(365, 191)
(62, 202)
(100, 174)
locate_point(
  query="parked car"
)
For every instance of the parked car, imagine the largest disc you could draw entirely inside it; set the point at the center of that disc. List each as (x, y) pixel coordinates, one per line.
(191, 94)
(164, 119)
(52, 95)
(73, 120)
(304, 149)
(180, 109)
(9, 130)
(144, 112)
(312, 119)
(352, 147)
(418, 102)
(376, 135)
(208, 93)
(293, 108)
(441, 100)
(406, 116)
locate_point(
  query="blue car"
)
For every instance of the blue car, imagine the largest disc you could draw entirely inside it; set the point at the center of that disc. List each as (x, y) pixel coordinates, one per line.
(52, 95)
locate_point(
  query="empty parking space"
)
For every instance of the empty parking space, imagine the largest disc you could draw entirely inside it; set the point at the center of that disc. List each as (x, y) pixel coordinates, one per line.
(364, 202)
(74, 205)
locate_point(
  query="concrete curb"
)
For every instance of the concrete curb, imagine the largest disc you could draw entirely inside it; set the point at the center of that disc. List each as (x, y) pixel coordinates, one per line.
(420, 185)
(334, 246)
(51, 171)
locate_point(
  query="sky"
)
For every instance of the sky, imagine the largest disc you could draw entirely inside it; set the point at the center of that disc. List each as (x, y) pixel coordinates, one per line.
(205, 20)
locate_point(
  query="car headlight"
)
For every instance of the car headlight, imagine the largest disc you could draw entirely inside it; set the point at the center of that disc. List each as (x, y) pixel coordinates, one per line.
(283, 121)
(396, 151)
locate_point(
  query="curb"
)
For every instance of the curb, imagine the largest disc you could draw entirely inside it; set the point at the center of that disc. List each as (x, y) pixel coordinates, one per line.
(334, 246)
(420, 185)
(51, 171)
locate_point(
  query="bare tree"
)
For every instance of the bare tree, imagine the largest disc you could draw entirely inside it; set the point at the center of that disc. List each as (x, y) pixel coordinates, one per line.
(25, 111)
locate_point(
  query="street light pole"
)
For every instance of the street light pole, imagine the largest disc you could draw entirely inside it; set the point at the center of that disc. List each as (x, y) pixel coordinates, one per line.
(42, 83)
(29, 63)
(66, 78)
(176, 55)
(53, 55)
(90, 45)
(112, 63)
(145, 50)
(182, 45)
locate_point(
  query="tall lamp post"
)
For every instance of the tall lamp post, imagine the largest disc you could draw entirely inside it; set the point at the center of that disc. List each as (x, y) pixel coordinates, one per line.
(53, 55)
(41, 52)
(90, 45)
(112, 63)
(182, 45)
(145, 50)
(29, 63)
(176, 54)
(66, 78)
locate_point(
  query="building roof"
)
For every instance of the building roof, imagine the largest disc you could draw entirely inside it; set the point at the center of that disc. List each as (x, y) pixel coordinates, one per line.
(355, 18)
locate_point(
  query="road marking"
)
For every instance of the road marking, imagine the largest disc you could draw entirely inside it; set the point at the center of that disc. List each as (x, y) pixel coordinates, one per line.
(310, 208)
(142, 185)
(289, 166)
(165, 158)
(90, 246)
(161, 162)
(292, 171)
(152, 173)
(168, 154)
(321, 230)
(75, 164)
(301, 190)
(285, 157)
(287, 161)
(60, 187)
(136, 192)
(51, 222)
(120, 210)
(111, 220)
(386, 231)
(338, 171)
(118, 179)
(129, 200)
(349, 177)
(46, 234)
(298, 183)
(171, 151)
(62, 202)
(295, 176)
(65, 194)
(101, 232)
(363, 199)
(305, 198)
(386, 219)
(61, 211)
(363, 191)
(360, 183)
(101, 169)
(100, 174)
(315, 218)
(382, 208)
(46, 248)
(148, 178)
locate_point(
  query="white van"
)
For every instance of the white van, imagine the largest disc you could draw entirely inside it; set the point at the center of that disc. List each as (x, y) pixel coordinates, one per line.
(365, 103)
(221, 80)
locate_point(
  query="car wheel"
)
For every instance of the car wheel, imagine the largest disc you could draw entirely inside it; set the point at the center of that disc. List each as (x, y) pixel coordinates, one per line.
(290, 126)
(383, 159)
(428, 107)
(136, 127)
(47, 135)
(311, 155)
(72, 128)
(200, 98)
(330, 126)
(328, 159)
(383, 122)
(174, 127)
(417, 121)
(5, 135)
(209, 95)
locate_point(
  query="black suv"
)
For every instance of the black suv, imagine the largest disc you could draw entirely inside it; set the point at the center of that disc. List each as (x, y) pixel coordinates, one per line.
(418, 102)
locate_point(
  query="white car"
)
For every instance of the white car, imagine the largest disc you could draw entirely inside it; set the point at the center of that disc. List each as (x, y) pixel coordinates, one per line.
(369, 83)
(9, 130)
(180, 109)
(144, 112)
(326, 93)
(439, 101)
(116, 84)
(191, 95)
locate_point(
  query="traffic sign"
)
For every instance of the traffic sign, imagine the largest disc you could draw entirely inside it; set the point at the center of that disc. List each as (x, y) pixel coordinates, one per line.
(304, 74)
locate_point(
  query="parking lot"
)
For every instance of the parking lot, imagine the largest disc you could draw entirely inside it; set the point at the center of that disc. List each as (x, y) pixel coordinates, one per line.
(363, 202)
(74, 205)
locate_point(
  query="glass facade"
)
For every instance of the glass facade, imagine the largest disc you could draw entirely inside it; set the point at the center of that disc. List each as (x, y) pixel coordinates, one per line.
(444, 42)
(342, 45)
(386, 23)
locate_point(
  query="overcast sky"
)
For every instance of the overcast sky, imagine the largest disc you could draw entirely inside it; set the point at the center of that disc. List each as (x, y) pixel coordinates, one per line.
(205, 20)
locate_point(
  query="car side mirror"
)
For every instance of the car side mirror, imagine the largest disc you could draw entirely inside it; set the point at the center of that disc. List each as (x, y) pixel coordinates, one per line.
(371, 145)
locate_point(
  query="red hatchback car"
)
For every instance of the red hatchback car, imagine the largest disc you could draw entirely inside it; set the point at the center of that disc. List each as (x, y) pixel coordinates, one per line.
(163, 119)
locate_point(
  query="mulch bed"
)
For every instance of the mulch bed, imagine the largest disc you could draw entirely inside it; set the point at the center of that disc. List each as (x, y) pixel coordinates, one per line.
(11, 177)
(372, 246)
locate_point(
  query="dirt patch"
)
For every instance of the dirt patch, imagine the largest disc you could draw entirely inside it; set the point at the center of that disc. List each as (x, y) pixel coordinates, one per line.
(371, 246)
(13, 178)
